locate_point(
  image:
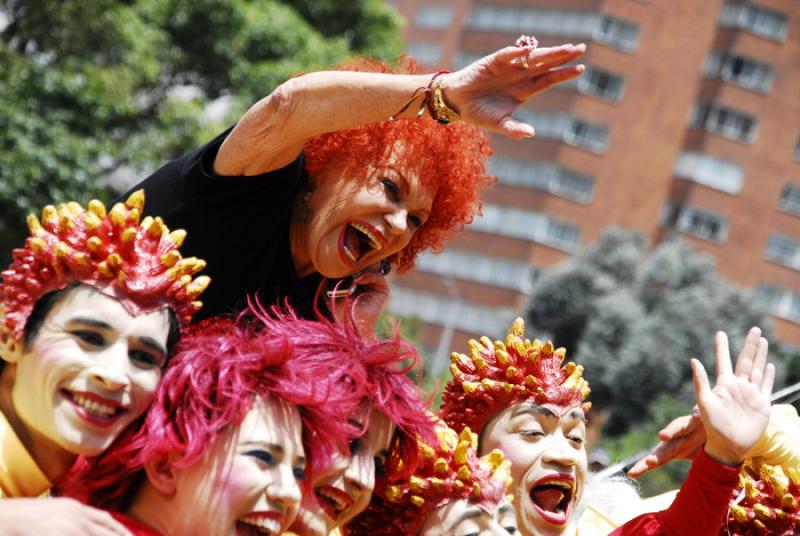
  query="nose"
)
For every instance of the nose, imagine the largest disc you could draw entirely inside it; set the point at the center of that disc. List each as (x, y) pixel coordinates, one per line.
(397, 220)
(110, 369)
(360, 473)
(284, 489)
(560, 452)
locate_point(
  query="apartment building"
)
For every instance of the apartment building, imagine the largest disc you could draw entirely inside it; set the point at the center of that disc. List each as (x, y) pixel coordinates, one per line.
(687, 121)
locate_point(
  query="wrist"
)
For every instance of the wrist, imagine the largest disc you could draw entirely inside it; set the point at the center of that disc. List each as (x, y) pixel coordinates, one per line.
(722, 454)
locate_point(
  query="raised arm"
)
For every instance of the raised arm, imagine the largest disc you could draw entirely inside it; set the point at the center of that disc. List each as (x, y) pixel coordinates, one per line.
(272, 132)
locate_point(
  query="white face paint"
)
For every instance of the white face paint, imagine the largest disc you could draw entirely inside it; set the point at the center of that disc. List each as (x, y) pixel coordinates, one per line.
(461, 518)
(91, 370)
(247, 483)
(344, 489)
(545, 445)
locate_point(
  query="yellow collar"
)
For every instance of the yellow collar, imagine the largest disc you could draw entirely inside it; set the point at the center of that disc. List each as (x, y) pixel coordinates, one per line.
(20, 476)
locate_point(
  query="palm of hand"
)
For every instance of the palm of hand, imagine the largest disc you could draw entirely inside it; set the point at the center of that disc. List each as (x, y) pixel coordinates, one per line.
(734, 412)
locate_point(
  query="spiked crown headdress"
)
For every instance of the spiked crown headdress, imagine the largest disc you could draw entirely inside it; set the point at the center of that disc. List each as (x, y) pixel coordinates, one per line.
(447, 472)
(767, 501)
(498, 374)
(136, 262)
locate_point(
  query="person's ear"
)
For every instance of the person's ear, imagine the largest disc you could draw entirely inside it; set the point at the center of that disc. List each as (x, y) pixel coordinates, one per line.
(161, 473)
(10, 350)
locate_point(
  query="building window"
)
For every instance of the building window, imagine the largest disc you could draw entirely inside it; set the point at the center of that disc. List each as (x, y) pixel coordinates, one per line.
(494, 271)
(717, 173)
(575, 23)
(784, 250)
(426, 53)
(439, 310)
(779, 301)
(725, 121)
(545, 176)
(790, 198)
(702, 224)
(565, 127)
(433, 17)
(602, 84)
(618, 33)
(757, 20)
(527, 225)
(740, 70)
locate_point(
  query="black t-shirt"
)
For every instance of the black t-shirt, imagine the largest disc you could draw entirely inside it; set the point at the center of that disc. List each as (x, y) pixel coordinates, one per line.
(239, 225)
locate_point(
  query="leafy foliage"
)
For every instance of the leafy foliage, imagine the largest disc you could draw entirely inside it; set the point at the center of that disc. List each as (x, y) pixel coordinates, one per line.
(99, 89)
(634, 319)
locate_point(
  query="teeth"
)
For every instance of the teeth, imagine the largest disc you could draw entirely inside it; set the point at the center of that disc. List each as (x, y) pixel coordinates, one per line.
(94, 408)
(340, 502)
(263, 524)
(374, 242)
(350, 254)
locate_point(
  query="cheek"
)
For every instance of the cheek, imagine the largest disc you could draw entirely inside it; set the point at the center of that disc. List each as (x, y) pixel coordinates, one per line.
(143, 389)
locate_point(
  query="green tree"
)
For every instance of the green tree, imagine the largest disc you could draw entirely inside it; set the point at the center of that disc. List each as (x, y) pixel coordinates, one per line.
(635, 318)
(91, 89)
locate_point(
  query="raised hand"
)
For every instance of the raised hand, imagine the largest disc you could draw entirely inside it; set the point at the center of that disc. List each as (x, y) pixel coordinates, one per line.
(488, 91)
(683, 438)
(736, 411)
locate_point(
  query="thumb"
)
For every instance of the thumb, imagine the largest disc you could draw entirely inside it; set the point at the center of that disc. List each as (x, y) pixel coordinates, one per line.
(515, 129)
(702, 388)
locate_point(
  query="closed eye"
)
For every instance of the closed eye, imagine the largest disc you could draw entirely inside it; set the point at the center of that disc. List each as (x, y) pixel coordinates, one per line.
(88, 337)
(531, 434)
(391, 188)
(145, 359)
(262, 456)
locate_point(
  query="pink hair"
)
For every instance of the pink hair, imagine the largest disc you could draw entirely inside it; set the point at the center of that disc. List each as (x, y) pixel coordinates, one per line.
(221, 366)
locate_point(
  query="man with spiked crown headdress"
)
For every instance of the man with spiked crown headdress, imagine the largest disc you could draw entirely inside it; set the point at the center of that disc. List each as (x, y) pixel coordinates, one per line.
(520, 398)
(449, 491)
(90, 308)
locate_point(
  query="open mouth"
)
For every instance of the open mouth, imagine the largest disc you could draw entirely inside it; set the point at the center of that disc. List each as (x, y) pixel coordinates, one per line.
(259, 523)
(358, 239)
(552, 498)
(333, 501)
(93, 408)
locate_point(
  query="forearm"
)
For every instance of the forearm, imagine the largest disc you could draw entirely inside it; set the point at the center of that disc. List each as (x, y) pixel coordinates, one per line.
(311, 105)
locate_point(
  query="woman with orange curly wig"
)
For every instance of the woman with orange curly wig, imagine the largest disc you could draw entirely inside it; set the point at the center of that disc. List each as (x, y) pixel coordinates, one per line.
(338, 175)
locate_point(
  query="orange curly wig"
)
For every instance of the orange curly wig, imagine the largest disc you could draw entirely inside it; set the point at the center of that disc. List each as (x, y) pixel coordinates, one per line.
(497, 375)
(451, 158)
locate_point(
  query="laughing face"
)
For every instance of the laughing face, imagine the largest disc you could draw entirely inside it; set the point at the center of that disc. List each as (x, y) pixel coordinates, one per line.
(355, 223)
(545, 445)
(91, 369)
(344, 490)
(247, 482)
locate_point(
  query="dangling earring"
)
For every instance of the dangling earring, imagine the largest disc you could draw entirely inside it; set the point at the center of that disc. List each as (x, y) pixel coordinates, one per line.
(302, 210)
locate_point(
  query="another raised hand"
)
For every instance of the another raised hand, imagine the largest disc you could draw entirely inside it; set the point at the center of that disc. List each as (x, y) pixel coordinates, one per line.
(684, 437)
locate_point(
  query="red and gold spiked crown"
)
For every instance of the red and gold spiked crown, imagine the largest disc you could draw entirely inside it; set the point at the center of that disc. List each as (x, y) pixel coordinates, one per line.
(767, 501)
(497, 375)
(136, 262)
(448, 472)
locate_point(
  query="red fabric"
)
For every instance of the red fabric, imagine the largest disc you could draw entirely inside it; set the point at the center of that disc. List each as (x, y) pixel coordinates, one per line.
(698, 510)
(137, 528)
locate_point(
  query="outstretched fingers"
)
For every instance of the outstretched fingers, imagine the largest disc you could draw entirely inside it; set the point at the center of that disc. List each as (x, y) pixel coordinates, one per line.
(724, 367)
(759, 362)
(769, 381)
(702, 388)
(744, 363)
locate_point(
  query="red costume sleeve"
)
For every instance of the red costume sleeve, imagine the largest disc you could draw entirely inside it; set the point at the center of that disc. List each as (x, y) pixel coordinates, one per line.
(700, 507)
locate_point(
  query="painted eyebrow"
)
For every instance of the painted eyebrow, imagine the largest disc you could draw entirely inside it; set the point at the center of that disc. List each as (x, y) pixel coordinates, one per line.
(532, 409)
(506, 508)
(576, 415)
(469, 514)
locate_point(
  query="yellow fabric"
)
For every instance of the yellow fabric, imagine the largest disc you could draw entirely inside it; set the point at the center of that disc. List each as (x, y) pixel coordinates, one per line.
(19, 474)
(780, 442)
